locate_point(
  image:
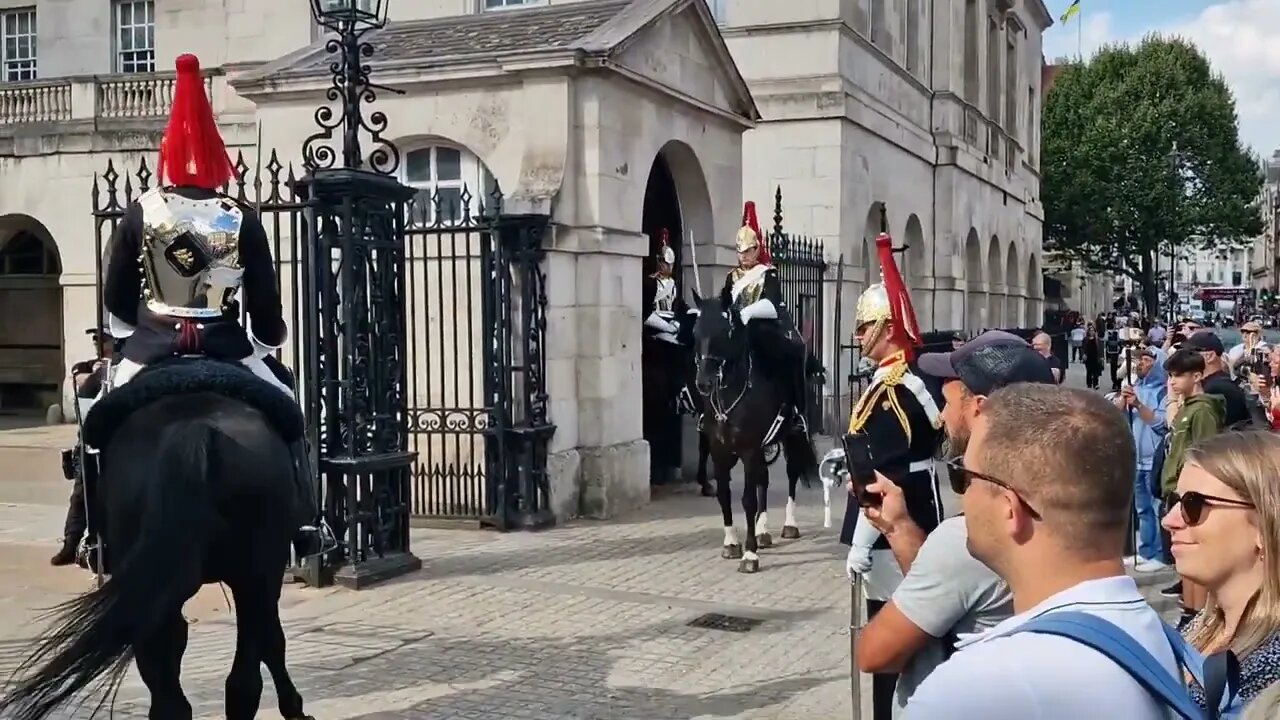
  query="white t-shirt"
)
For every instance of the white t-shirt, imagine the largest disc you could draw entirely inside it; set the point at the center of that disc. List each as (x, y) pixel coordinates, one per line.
(1031, 676)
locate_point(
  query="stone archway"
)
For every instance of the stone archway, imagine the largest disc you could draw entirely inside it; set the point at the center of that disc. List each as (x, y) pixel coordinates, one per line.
(914, 268)
(31, 331)
(975, 301)
(995, 286)
(1014, 292)
(1035, 293)
(676, 200)
(872, 229)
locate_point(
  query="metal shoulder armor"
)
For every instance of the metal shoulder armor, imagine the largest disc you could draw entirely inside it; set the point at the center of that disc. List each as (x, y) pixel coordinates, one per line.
(190, 254)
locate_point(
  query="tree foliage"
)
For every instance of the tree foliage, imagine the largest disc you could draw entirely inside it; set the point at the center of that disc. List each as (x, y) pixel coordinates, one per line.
(1115, 193)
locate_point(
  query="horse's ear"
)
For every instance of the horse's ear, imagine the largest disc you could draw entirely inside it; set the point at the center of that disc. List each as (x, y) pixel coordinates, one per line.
(697, 299)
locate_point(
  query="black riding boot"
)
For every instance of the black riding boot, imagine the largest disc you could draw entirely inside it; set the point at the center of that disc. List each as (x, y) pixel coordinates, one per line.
(67, 554)
(309, 539)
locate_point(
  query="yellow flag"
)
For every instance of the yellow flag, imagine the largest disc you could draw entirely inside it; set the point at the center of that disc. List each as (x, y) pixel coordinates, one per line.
(1071, 12)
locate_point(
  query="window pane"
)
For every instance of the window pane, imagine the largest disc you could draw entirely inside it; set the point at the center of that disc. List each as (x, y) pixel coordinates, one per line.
(448, 164)
(418, 166)
(140, 37)
(450, 204)
(420, 209)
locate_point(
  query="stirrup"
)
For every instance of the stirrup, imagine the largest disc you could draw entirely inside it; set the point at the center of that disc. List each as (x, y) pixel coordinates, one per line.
(327, 540)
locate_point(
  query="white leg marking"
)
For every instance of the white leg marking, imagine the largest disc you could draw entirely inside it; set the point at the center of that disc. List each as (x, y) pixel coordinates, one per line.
(762, 524)
(791, 513)
(748, 555)
(731, 536)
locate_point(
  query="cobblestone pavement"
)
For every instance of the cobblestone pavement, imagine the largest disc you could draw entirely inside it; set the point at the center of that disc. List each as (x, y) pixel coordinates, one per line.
(583, 622)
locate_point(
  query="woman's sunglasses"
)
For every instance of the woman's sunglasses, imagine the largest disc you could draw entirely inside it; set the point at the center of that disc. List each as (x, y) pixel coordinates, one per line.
(962, 477)
(1193, 504)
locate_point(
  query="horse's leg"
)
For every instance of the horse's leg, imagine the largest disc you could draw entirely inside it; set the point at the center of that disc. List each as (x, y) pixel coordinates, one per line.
(270, 635)
(159, 660)
(723, 463)
(244, 682)
(704, 452)
(753, 466)
(763, 538)
(796, 466)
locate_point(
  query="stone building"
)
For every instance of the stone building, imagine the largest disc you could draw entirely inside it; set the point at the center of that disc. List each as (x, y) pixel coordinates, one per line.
(614, 117)
(1265, 249)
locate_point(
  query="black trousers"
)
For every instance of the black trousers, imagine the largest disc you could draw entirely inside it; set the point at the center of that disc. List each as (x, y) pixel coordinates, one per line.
(77, 519)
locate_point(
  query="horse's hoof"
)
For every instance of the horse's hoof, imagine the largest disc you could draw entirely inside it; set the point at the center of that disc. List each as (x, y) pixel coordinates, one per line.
(764, 540)
(707, 490)
(790, 532)
(749, 566)
(731, 552)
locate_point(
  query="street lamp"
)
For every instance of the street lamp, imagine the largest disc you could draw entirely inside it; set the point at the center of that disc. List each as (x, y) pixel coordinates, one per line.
(355, 354)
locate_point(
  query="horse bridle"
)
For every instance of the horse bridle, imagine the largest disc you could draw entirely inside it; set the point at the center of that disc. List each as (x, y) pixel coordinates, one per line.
(714, 399)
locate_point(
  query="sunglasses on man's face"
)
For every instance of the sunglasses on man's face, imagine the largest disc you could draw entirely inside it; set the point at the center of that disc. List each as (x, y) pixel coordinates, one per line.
(962, 477)
(1192, 505)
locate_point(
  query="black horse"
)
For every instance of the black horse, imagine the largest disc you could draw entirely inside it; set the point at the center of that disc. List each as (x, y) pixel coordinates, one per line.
(195, 488)
(742, 401)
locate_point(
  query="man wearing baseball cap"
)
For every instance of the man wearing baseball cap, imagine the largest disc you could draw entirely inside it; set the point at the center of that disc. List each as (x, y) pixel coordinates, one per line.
(945, 591)
(1217, 379)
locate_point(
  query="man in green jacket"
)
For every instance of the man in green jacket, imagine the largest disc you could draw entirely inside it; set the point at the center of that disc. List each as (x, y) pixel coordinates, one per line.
(1192, 416)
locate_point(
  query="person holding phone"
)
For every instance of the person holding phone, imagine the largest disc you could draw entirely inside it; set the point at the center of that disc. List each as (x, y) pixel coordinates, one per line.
(945, 593)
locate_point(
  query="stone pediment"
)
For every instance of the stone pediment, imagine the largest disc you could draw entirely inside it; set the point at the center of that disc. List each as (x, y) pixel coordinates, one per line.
(679, 48)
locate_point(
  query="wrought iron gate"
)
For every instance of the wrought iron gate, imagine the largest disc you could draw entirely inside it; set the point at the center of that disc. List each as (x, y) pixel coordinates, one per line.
(802, 268)
(475, 319)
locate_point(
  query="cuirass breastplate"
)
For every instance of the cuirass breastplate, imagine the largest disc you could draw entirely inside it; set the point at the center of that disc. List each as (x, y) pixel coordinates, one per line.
(190, 254)
(664, 296)
(750, 291)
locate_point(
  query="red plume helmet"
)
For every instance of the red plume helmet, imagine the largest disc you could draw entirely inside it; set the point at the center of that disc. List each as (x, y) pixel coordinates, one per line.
(665, 253)
(905, 328)
(755, 238)
(192, 152)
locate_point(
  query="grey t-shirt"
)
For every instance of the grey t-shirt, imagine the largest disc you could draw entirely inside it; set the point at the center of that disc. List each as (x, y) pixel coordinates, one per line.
(947, 593)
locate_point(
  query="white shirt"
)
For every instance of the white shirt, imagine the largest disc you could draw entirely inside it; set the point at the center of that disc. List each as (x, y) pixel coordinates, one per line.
(1032, 676)
(1236, 353)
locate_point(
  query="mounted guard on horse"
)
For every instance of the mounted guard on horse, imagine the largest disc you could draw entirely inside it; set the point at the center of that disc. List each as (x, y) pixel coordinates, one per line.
(667, 361)
(203, 474)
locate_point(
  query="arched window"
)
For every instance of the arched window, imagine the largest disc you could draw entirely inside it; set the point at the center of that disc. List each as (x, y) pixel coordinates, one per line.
(26, 254)
(441, 174)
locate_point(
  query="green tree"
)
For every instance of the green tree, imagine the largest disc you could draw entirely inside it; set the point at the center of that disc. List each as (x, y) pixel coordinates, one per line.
(1141, 153)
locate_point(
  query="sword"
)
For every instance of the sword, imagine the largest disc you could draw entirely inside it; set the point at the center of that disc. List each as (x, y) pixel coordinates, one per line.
(856, 606)
(693, 257)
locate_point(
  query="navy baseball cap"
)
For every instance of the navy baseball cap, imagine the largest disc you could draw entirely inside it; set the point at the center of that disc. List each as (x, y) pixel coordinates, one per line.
(989, 362)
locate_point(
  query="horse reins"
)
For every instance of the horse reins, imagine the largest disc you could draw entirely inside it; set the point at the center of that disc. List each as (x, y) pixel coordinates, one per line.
(713, 397)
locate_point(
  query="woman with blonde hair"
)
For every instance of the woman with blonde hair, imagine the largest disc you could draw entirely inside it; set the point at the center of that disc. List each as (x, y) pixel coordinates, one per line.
(1224, 524)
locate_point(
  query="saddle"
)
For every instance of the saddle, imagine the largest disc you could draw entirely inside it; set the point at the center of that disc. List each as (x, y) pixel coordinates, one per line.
(190, 376)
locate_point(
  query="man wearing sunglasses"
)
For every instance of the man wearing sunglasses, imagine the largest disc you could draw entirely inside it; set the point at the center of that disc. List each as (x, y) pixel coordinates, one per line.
(945, 593)
(1048, 481)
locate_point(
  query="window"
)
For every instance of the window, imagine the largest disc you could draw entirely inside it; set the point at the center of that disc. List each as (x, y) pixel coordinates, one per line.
(441, 173)
(912, 34)
(26, 254)
(504, 4)
(19, 51)
(1011, 79)
(135, 36)
(993, 71)
(972, 78)
(879, 27)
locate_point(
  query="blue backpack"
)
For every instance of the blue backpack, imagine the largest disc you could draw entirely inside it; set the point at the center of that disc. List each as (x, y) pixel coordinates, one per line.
(1218, 675)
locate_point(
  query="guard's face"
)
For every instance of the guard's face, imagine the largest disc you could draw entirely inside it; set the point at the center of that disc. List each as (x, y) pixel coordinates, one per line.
(749, 258)
(664, 268)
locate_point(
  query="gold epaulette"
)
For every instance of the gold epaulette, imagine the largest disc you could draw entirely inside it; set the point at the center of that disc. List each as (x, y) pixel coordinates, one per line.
(896, 372)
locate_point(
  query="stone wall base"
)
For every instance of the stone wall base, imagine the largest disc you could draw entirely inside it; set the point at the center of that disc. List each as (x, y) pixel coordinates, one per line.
(611, 479)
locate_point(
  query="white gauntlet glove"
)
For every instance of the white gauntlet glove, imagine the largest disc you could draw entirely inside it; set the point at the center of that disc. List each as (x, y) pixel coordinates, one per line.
(864, 536)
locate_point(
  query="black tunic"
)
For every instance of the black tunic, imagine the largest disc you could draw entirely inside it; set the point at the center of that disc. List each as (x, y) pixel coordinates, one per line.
(901, 434)
(222, 338)
(771, 291)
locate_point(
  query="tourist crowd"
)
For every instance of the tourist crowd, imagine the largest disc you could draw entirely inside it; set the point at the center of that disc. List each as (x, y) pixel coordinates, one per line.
(1003, 610)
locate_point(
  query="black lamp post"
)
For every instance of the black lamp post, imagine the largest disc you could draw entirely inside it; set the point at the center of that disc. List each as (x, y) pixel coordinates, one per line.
(355, 355)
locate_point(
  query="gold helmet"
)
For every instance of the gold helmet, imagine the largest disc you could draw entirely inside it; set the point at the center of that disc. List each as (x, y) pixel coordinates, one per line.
(886, 305)
(749, 235)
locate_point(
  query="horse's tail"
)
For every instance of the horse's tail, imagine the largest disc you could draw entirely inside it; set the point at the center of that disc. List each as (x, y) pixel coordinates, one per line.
(93, 634)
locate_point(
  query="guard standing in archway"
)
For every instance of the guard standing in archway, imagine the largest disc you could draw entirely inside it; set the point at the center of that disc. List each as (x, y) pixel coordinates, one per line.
(665, 361)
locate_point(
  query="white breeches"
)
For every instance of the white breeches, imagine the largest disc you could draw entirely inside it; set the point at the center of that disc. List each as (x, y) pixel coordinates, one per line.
(127, 368)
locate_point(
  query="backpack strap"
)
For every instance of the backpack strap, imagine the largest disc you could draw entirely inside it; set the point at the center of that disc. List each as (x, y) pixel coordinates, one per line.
(1110, 640)
(1218, 675)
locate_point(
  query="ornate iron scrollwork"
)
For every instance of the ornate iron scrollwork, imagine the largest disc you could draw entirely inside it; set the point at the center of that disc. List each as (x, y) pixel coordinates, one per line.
(351, 88)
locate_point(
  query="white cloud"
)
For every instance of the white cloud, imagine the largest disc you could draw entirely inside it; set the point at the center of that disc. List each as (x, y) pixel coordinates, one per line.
(1238, 37)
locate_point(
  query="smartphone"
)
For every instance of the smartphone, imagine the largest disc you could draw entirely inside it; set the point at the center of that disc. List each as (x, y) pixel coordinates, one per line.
(862, 470)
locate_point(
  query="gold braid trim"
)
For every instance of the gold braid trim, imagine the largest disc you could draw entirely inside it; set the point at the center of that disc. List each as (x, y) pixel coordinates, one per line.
(867, 403)
(862, 411)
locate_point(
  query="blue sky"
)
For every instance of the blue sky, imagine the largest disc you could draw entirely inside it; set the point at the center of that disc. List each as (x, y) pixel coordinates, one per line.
(1240, 37)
